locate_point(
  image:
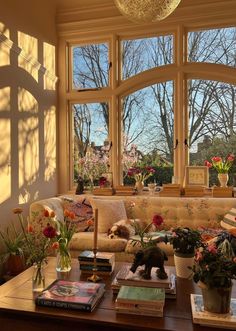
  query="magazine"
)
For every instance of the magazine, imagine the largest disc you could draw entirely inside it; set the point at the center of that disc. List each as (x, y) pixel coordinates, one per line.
(200, 316)
(71, 294)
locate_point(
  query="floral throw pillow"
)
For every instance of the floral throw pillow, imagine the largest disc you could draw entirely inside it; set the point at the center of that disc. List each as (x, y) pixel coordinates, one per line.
(83, 212)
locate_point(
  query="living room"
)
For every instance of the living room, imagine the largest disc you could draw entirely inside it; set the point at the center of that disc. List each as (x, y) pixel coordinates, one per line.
(44, 92)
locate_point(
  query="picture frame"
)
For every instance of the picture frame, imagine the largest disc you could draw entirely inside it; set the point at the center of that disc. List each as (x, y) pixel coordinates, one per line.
(197, 176)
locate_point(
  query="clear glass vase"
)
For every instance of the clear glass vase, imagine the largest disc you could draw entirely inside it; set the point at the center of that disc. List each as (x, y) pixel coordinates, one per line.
(63, 261)
(38, 278)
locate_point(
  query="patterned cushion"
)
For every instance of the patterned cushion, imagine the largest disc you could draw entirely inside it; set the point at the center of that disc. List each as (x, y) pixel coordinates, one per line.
(83, 212)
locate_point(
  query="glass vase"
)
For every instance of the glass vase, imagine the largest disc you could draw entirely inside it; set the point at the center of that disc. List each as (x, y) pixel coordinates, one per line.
(139, 185)
(38, 279)
(223, 179)
(63, 261)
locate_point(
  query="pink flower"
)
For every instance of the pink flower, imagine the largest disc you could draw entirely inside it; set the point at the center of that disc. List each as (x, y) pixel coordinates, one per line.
(198, 256)
(157, 220)
(230, 158)
(212, 248)
(208, 164)
(216, 159)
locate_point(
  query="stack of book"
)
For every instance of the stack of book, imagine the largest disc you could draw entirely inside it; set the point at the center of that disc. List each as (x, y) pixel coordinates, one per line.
(230, 218)
(103, 191)
(71, 294)
(194, 191)
(127, 278)
(140, 301)
(124, 190)
(105, 262)
(222, 192)
(170, 190)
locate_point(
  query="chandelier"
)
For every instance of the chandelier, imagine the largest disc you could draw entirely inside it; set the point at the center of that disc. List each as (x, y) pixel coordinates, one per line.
(146, 11)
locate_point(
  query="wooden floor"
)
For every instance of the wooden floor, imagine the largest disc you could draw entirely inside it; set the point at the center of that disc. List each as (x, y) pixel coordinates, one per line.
(19, 312)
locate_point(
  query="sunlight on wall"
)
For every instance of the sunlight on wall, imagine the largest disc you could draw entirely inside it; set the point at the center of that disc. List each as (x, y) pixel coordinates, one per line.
(28, 135)
(50, 143)
(30, 46)
(5, 146)
(49, 63)
(26, 101)
(4, 49)
(5, 99)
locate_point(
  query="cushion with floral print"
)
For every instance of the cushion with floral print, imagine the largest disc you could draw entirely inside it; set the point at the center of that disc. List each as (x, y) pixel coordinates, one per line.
(83, 213)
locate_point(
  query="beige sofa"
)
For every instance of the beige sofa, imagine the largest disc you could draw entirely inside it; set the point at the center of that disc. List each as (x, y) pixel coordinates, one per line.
(202, 212)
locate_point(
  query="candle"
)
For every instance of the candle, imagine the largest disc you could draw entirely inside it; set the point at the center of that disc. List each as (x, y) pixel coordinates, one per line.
(95, 233)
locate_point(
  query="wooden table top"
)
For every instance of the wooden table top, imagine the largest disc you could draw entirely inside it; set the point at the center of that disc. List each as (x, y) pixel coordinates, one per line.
(17, 304)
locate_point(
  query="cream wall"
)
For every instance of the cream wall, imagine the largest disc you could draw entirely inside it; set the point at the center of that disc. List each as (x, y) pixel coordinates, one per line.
(28, 100)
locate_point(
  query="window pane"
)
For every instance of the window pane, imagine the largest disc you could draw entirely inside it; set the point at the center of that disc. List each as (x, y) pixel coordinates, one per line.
(212, 122)
(148, 129)
(142, 54)
(90, 66)
(91, 123)
(214, 46)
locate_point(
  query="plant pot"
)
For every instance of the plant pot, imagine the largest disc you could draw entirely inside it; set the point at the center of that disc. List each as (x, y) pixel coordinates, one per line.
(139, 185)
(182, 264)
(223, 179)
(217, 300)
(14, 265)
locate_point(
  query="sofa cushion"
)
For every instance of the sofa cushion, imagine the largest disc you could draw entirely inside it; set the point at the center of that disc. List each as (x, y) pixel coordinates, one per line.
(84, 241)
(83, 212)
(109, 212)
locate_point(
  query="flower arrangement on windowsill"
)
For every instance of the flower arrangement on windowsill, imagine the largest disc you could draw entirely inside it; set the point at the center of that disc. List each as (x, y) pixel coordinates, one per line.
(185, 240)
(140, 174)
(220, 165)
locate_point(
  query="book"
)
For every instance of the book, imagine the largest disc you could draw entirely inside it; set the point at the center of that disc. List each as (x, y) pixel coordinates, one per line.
(78, 295)
(222, 192)
(105, 257)
(142, 312)
(141, 296)
(194, 191)
(103, 191)
(127, 277)
(140, 300)
(89, 267)
(170, 293)
(226, 321)
(230, 218)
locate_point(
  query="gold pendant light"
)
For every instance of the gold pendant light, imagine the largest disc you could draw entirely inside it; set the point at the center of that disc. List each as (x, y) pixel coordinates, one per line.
(146, 11)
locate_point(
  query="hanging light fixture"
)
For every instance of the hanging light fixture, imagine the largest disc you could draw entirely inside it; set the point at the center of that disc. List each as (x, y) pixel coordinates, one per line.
(146, 11)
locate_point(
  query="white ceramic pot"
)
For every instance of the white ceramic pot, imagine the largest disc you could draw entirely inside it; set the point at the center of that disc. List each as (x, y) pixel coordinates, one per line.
(223, 179)
(182, 264)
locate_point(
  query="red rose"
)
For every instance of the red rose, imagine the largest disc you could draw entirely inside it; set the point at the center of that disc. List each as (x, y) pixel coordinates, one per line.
(157, 220)
(50, 231)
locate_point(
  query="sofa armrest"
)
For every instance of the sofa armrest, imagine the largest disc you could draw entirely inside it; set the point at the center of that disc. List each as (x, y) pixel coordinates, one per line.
(51, 204)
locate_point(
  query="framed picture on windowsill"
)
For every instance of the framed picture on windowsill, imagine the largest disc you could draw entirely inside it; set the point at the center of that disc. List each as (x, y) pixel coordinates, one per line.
(196, 176)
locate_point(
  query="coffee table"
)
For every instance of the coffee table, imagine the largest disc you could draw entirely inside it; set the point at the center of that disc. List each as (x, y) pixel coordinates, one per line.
(18, 311)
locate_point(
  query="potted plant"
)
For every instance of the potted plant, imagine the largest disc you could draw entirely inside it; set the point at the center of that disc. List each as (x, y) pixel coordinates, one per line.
(222, 167)
(13, 257)
(213, 270)
(184, 241)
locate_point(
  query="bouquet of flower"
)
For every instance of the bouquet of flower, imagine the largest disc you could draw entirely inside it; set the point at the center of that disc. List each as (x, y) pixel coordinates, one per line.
(214, 266)
(221, 166)
(145, 237)
(185, 240)
(140, 174)
(38, 241)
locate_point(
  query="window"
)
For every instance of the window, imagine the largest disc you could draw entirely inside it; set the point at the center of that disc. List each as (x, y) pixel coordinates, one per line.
(212, 121)
(148, 128)
(214, 46)
(139, 55)
(91, 123)
(90, 68)
(161, 106)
